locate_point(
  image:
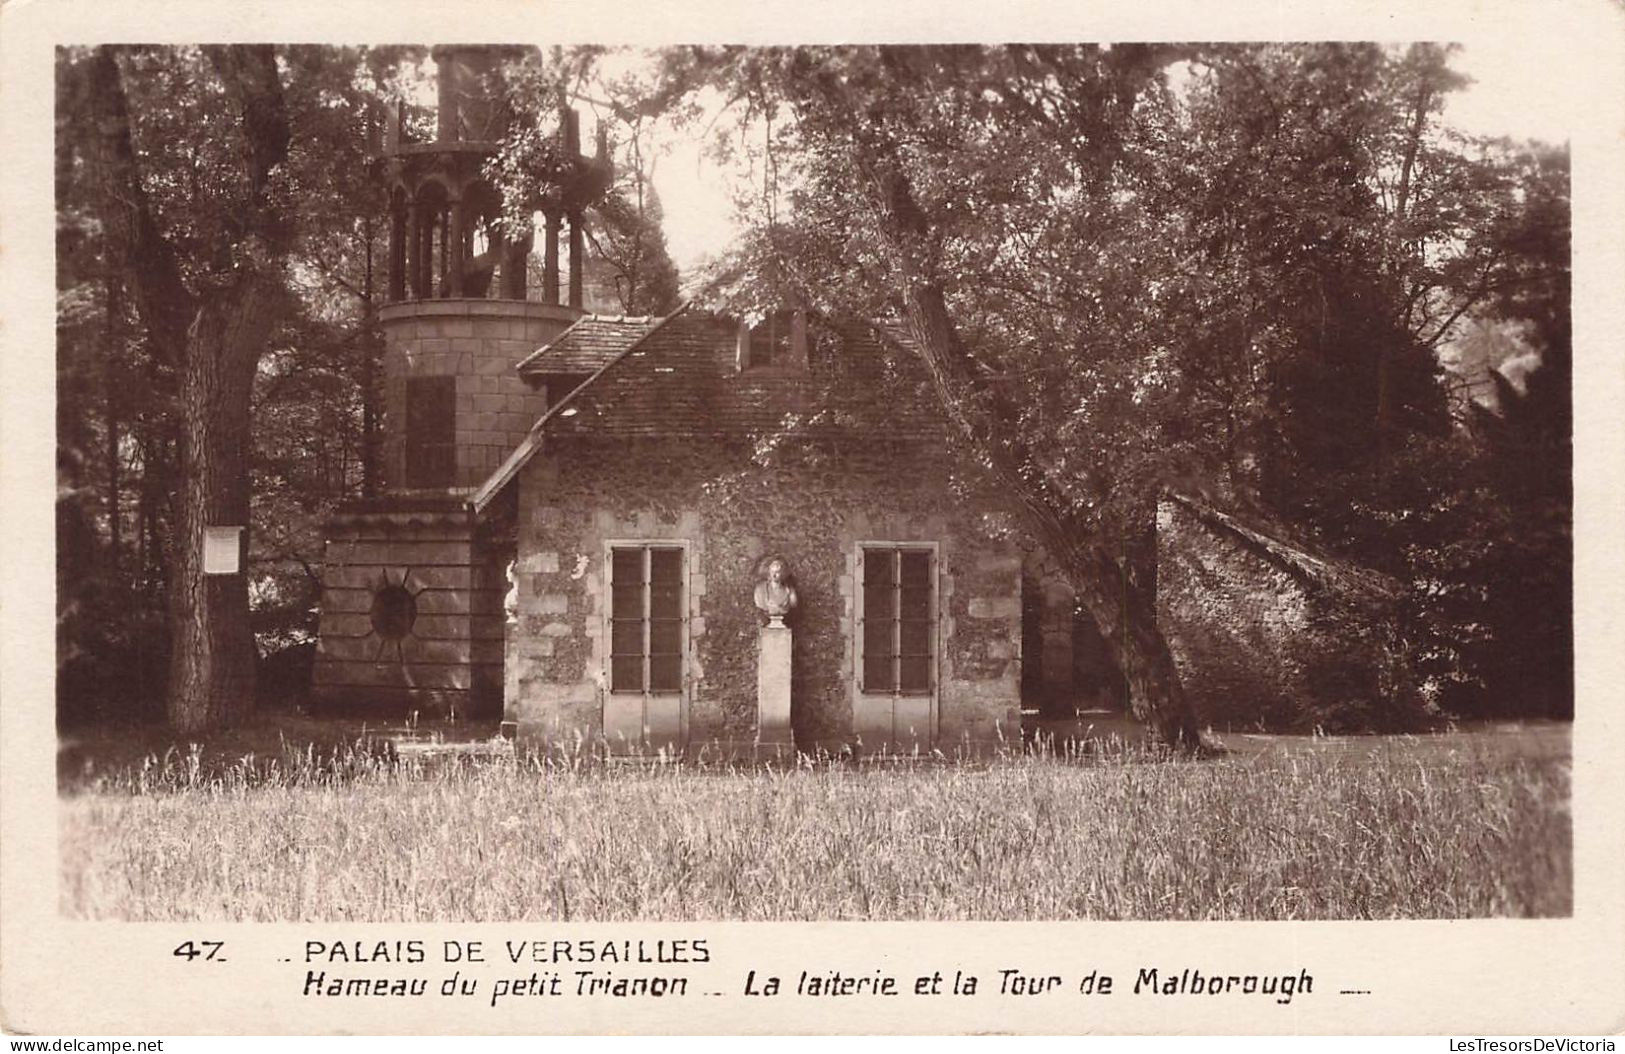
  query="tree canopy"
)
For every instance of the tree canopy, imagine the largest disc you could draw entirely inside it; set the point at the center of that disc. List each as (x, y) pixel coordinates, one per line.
(1230, 270)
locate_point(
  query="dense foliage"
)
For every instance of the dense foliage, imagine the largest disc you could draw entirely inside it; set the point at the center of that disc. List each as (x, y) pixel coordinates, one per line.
(1242, 272)
(1226, 270)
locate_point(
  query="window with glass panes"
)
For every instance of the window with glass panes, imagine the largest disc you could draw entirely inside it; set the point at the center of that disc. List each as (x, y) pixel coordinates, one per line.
(646, 618)
(771, 340)
(899, 630)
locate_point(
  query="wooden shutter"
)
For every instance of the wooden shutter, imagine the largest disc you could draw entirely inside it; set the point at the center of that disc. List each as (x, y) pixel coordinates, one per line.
(431, 431)
(914, 622)
(879, 620)
(899, 624)
(646, 619)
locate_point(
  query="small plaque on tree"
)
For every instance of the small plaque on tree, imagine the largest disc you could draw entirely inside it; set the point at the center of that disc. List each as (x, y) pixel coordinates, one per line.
(222, 550)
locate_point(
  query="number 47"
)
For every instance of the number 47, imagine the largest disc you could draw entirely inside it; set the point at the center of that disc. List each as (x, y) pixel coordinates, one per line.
(208, 950)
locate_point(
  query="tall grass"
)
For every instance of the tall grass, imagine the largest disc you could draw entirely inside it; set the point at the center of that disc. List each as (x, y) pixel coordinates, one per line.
(1393, 830)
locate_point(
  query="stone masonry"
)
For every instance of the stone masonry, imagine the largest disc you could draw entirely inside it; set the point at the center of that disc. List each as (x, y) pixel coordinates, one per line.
(478, 342)
(1268, 635)
(813, 506)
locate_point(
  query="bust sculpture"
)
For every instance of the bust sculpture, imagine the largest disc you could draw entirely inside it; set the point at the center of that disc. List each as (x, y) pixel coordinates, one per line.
(774, 595)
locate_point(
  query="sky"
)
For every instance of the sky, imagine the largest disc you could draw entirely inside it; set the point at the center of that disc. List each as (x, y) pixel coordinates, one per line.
(694, 192)
(1520, 89)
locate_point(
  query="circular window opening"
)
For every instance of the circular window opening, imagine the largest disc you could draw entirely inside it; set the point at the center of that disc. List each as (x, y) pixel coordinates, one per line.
(393, 612)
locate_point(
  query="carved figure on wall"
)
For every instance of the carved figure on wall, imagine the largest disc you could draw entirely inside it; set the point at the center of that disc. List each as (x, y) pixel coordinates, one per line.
(774, 594)
(510, 603)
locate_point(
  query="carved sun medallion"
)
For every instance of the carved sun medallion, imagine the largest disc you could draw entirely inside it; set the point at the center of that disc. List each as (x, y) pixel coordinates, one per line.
(394, 611)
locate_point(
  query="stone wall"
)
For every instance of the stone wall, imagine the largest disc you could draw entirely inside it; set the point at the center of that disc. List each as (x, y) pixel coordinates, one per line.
(1267, 636)
(480, 342)
(812, 507)
(443, 653)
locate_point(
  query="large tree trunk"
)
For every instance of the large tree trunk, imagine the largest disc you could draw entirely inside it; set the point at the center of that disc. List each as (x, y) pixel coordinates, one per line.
(218, 340)
(212, 666)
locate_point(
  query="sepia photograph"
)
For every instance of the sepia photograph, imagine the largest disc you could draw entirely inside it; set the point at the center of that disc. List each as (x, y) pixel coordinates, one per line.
(1066, 441)
(600, 494)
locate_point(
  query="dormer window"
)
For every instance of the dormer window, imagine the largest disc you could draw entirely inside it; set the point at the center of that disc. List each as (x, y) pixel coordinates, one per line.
(770, 340)
(777, 341)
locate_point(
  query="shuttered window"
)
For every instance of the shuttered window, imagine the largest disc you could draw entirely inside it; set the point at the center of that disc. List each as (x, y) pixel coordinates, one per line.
(431, 431)
(899, 627)
(646, 618)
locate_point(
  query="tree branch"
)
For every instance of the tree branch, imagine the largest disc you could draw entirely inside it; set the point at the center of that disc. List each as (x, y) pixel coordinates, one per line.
(165, 304)
(252, 82)
(1467, 302)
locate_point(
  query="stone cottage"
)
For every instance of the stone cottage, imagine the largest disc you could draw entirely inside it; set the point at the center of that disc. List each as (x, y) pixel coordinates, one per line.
(577, 509)
(676, 457)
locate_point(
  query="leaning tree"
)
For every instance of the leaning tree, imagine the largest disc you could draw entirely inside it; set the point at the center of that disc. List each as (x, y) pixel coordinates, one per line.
(1129, 266)
(964, 192)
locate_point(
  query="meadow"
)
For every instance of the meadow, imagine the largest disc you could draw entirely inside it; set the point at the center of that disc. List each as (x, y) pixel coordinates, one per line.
(1450, 826)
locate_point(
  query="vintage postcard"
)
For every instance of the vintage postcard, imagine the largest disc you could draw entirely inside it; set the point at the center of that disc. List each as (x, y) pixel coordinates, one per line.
(743, 519)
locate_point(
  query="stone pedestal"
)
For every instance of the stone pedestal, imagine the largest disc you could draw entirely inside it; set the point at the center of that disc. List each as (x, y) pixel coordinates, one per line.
(773, 687)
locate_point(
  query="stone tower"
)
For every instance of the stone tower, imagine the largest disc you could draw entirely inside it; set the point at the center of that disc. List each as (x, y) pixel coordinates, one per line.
(413, 582)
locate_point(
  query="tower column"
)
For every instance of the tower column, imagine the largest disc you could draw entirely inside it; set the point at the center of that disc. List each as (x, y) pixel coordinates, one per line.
(456, 241)
(412, 225)
(426, 221)
(397, 247)
(550, 260)
(443, 224)
(577, 252)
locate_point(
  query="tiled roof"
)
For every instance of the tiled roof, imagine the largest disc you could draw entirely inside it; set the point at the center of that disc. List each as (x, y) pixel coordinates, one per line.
(678, 377)
(520, 456)
(591, 343)
(684, 380)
